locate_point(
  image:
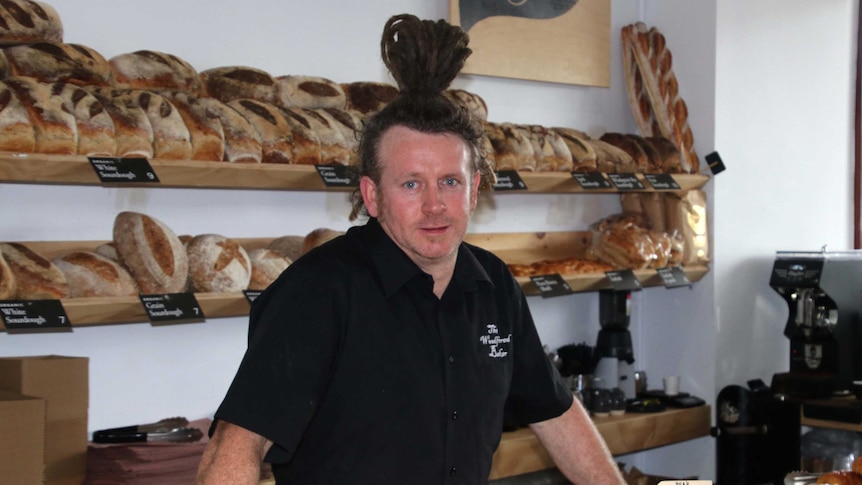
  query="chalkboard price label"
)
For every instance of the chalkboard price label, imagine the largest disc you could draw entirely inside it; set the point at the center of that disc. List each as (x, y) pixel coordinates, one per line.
(23, 316)
(626, 181)
(251, 295)
(112, 170)
(591, 180)
(624, 280)
(661, 181)
(673, 277)
(551, 285)
(338, 175)
(509, 180)
(172, 308)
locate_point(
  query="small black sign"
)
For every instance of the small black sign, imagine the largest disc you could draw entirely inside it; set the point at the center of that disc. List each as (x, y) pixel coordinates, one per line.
(172, 308)
(22, 316)
(509, 180)
(123, 170)
(716, 165)
(338, 175)
(673, 277)
(626, 181)
(591, 180)
(251, 295)
(624, 280)
(551, 285)
(661, 181)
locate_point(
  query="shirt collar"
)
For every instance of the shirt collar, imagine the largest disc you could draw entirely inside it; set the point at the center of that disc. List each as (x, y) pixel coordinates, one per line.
(396, 268)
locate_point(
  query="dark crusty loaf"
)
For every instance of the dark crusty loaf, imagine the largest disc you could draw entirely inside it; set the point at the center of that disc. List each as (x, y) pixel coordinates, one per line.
(96, 133)
(334, 148)
(276, 137)
(217, 264)
(241, 140)
(133, 131)
(52, 62)
(611, 159)
(37, 278)
(230, 83)
(630, 146)
(350, 123)
(152, 252)
(55, 128)
(309, 92)
(29, 21)
(205, 129)
(91, 274)
(16, 131)
(369, 97)
(266, 266)
(668, 153)
(8, 285)
(147, 69)
(306, 144)
(171, 137)
(583, 154)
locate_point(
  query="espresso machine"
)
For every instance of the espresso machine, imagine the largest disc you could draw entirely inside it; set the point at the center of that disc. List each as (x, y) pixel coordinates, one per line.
(823, 291)
(613, 354)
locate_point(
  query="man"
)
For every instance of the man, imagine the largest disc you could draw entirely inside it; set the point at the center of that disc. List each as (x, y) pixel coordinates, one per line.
(387, 356)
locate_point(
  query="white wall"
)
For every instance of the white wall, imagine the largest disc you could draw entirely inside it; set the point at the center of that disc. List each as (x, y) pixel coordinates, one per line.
(140, 373)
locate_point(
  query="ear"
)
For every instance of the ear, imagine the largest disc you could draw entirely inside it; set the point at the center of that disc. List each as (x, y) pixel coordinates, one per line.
(369, 195)
(474, 190)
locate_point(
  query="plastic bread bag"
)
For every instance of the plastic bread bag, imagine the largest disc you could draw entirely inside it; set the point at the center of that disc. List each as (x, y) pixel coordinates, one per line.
(686, 214)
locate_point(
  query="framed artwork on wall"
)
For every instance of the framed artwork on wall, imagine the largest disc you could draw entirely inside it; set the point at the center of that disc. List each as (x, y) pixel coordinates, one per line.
(561, 41)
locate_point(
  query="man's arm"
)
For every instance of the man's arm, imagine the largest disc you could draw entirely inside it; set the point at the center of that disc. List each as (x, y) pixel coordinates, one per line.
(577, 448)
(232, 456)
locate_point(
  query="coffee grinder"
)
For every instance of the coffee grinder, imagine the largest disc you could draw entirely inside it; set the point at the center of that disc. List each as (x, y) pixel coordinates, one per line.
(823, 291)
(614, 355)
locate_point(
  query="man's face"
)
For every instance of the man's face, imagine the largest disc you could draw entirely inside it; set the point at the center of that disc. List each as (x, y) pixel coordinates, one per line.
(426, 194)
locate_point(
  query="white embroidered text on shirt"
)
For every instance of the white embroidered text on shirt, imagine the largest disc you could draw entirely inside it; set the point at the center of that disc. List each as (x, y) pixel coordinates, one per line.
(496, 343)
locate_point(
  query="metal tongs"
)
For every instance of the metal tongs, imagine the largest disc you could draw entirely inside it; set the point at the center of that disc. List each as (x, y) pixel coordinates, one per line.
(173, 430)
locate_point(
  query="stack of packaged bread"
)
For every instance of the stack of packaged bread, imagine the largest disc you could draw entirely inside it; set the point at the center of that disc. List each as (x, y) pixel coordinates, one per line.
(146, 256)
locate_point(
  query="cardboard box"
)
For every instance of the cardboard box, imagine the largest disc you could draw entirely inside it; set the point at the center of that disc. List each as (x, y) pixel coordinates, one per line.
(63, 382)
(22, 438)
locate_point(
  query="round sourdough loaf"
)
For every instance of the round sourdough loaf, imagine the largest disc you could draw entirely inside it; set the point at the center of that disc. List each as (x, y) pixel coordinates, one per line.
(317, 237)
(152, 252)
(217, 264)
(266, 266)
(37, 278)
(91, 274)
(288, 246)
(29, 21)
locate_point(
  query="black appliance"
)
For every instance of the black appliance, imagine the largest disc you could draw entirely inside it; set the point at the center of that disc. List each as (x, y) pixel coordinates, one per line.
(614, 354)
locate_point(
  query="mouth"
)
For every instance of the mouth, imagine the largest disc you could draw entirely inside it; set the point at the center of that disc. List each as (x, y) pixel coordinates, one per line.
(436, 230)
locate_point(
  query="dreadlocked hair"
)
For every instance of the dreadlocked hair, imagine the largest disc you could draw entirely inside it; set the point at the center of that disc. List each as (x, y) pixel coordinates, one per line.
(423, 57)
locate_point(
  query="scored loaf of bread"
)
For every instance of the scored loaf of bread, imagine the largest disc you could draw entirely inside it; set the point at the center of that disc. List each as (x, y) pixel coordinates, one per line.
(217, 264)
(630, 146)
(23, 21)
(146, 69)
(317, 237)
(276, 137)
(350, 123)
(55, 128)
(36, 277)
(266, 266)
(472, 102)
(205, 129)
(583, 154)
(96, 132)
(667, 152)
(306, 143)
(54, 62)
(133, 131)
(8, 285)
(309, 92)
(230, 83)
(368, 97)
(518, 144)
(241, 141)
(171, 137)
(611, 159)
(152, 253)
(91, 274)
(288, 246)
(16, 131)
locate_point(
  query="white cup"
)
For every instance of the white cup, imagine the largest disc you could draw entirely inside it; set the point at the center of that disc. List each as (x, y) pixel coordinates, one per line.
(671, 385)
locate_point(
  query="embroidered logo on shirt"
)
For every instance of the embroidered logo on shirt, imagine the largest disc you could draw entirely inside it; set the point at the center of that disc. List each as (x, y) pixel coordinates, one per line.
(497, 344)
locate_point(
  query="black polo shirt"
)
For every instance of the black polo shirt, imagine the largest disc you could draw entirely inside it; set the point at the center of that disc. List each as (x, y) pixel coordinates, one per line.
(359, 374)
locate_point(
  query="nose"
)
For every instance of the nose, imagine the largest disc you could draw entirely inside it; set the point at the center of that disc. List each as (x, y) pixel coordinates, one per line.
(433, 203)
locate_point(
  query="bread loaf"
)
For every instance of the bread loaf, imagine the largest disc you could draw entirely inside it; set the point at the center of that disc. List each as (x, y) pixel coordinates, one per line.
(23, 21)
(152, 252)
(52, 62)
(37, 278)
(108, 250)
(147, 69)
(309, 92)
(306, 144)
(369, 97)
(205, 129)
(551, 152)
(230, 83)
(241, 141)
(842, 477)
(171, 137)
(518, 143)
(349, 124)
(611, 159)
(16, 131)
(317, 237)
(276, 137)
(8, 286)
(91, 274)
(686, 215)
(133, 132)
(630, 146)
(288, 246)
(504, 157)
(472, 102)
(54, 127)
(266, 266)
(667, 153)
(217, 264)
(96, 133)
(583, 154)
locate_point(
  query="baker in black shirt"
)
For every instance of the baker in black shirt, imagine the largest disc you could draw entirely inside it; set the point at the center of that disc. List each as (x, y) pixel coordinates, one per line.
(388, 355)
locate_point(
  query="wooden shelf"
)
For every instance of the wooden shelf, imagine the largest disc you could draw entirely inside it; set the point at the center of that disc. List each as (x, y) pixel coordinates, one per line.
(521, 452)
(76, 170)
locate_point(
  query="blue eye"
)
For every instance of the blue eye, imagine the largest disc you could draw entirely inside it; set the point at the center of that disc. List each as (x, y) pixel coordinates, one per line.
(451, 182)
(410, 185)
